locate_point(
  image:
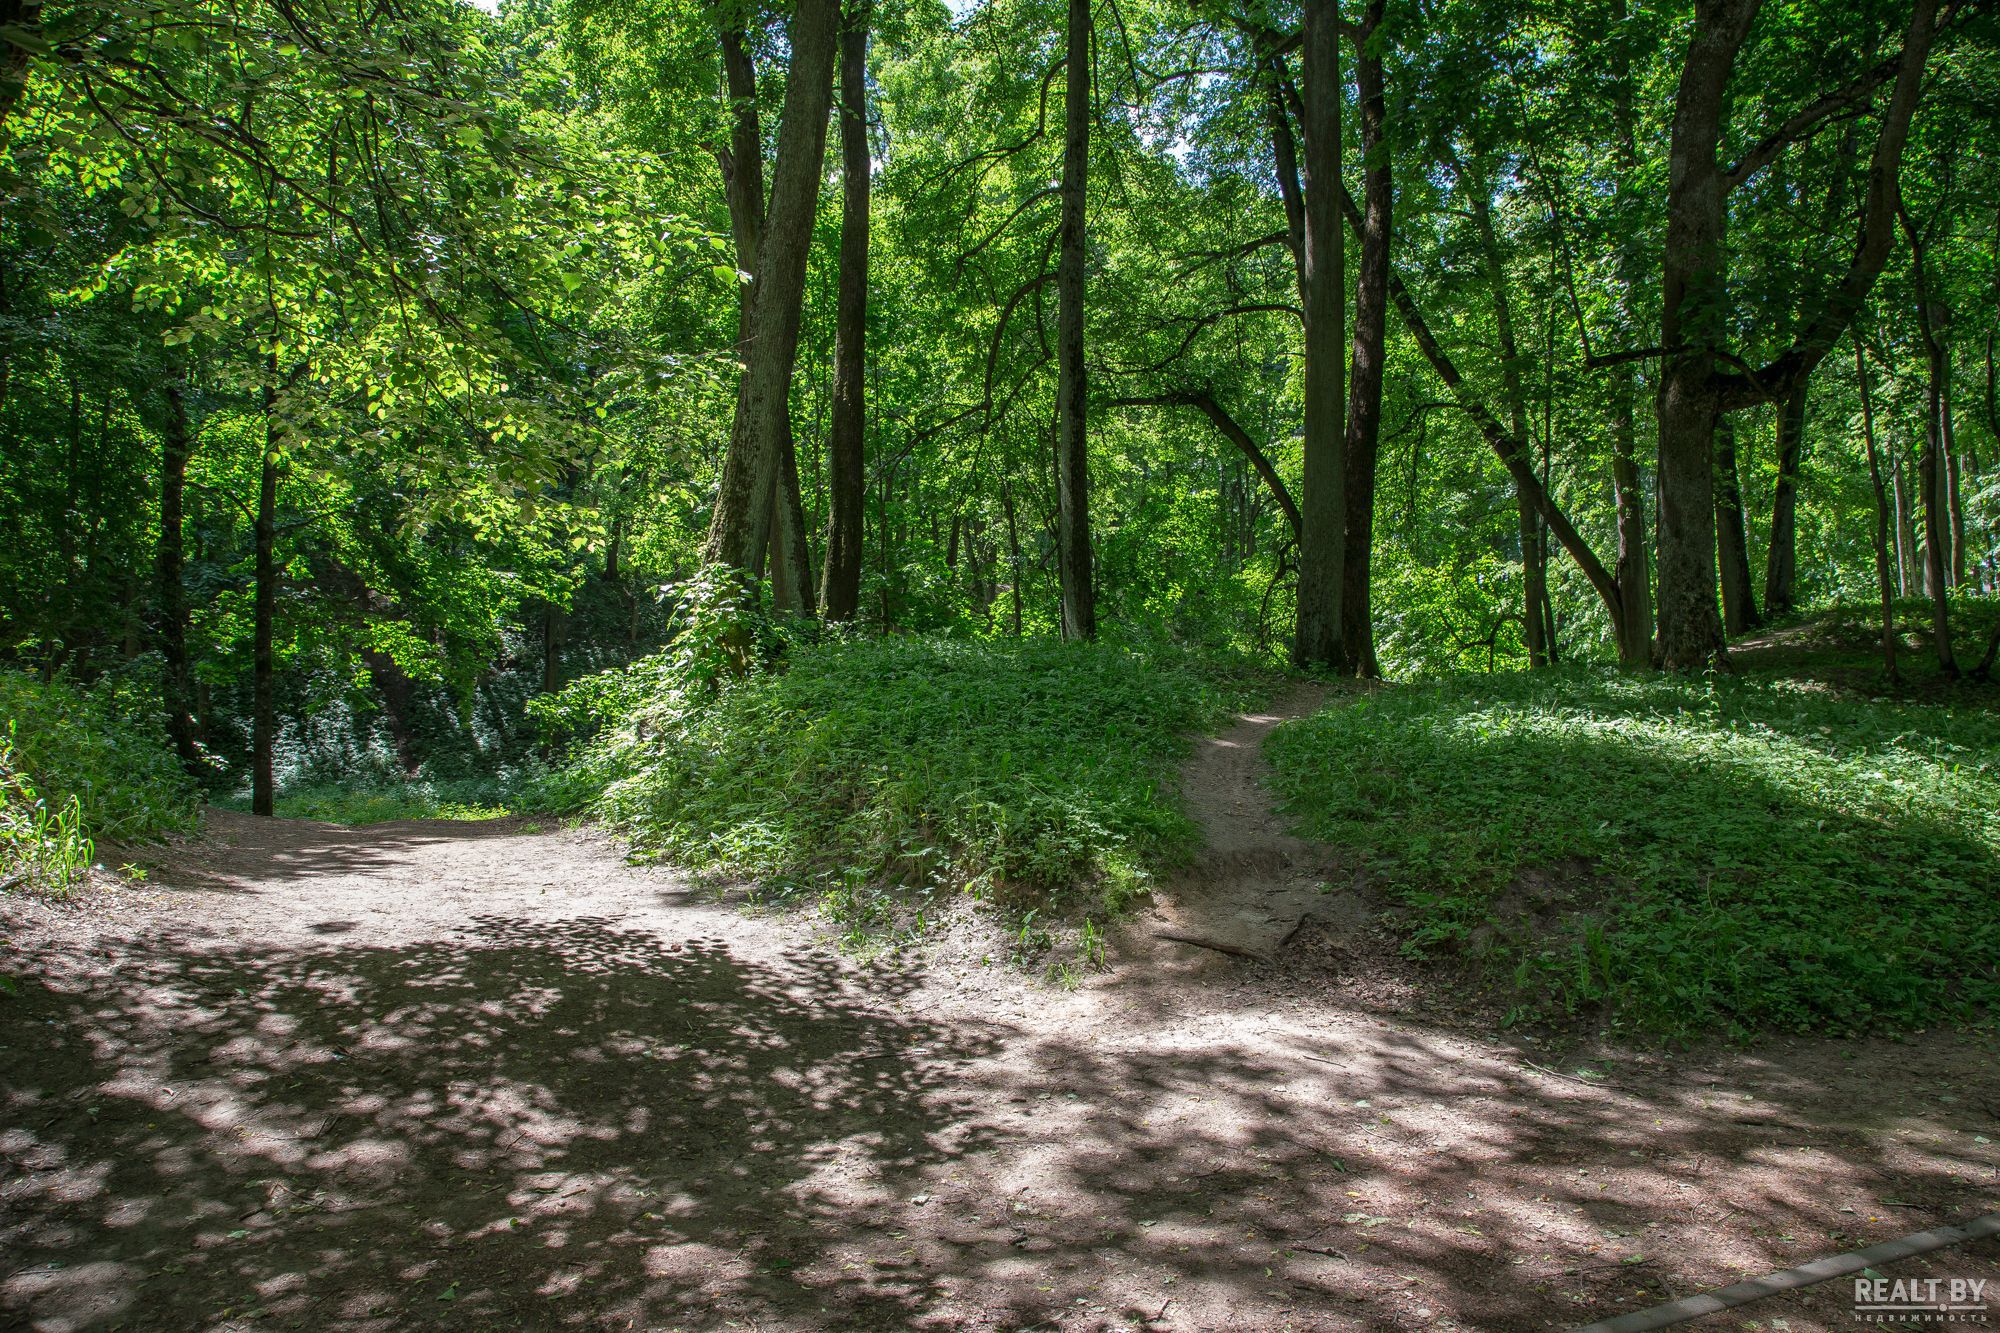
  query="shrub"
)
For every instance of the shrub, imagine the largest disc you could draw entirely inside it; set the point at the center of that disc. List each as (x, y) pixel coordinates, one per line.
(101, 751)
(1034, 769)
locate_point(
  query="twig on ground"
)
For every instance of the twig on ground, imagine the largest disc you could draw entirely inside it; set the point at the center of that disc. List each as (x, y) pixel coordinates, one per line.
(1220, 946)
(1557, 1073)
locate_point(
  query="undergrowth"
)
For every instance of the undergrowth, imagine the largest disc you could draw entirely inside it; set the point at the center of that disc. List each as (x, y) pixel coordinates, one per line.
(1675, 855)
(78, 766)
(877, 776)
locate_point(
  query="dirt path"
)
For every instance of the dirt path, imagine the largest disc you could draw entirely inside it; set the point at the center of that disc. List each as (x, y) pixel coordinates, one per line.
(489, 1076)
(1254, 884)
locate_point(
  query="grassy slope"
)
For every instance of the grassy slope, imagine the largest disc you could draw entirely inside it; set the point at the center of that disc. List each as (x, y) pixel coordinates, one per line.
(1741, 852)
(1041, 770)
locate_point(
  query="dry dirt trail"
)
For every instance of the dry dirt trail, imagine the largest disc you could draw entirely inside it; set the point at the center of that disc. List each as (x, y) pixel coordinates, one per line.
(489, 1076)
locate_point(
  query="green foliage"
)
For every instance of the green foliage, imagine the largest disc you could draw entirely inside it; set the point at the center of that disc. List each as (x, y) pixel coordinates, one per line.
(100, 752)
(380, 805)
(1679, 854)
(1033, 773)
(42, 848)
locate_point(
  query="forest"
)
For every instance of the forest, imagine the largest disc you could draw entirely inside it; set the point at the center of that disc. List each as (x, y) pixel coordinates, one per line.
(562, 548)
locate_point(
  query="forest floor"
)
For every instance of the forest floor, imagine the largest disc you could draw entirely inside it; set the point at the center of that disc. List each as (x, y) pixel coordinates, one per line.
(488, 1075)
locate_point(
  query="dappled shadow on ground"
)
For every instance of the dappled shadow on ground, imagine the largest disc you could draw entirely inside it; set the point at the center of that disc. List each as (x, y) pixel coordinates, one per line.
(537, 1124)
(549, 1121)
(241, 853)
(1397, 1178)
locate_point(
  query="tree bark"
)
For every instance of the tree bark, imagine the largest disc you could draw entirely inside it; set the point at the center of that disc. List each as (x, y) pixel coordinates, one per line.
(740, 530)
(791, 549)
(1370, 352)
(1073, 556)
(177, 684)
(1781, 563)
(1739, 601)
(1695, 311)
(1633, 630)
(1691, 330)
(1534, 570)
(1906, 536)
(1931, 468)
(840, 593)
(263, 667)
(1882, 582)
(1632, 619)
(1323, 500)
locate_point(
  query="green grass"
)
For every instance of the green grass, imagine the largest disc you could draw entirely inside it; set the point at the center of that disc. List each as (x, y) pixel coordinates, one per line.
(1038, 774)
(1674, 855)
(338, 804)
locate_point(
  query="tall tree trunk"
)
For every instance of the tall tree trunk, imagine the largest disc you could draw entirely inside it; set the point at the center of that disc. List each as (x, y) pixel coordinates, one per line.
(177, 684)
(553, 627)
(1371, 329)
(1534, 567)
(740, 531)
(1739, 601)
(1881, 516)
(1692, 324)
(1013, 554)
(840, 593)
(1906, 536)
(1781, 561)
(791, 548)
(1323, 499)
(263, 663)
(1931, 482)
(1632, 619)
(1634, 628)
(1954, 498)
(1073, 556)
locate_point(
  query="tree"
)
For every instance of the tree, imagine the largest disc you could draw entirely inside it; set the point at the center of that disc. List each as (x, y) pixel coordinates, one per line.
(840, 594)
(1073, 553)
(741, 529)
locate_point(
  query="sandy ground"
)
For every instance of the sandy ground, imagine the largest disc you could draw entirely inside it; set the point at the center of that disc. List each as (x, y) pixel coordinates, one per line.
(435, 1075)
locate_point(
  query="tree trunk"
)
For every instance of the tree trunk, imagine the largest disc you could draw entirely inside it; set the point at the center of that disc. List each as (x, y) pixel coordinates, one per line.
(1931, 480)
(840, 593)
(1739, 601)
(263, 669)
(1692, 324)
(1534, 568)
(1632, 618)
(552, 642)
(1323, 500)
(1906, 537)
(177, 685)
(1013, 554)
(1881, 516)
(791, 550)
(1955, 502)
(1781, 563)
(1073, 556)
(740, 531)
(1371, 329)
(1634, 628)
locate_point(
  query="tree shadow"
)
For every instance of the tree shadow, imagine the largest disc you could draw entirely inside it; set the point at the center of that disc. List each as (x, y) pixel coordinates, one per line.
(532, 1125)
(1406, 1177)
